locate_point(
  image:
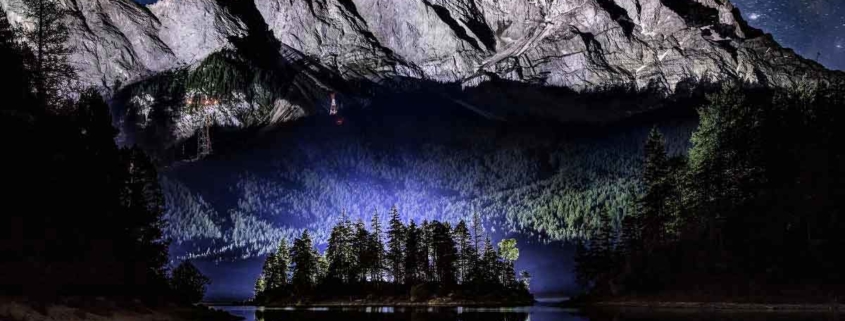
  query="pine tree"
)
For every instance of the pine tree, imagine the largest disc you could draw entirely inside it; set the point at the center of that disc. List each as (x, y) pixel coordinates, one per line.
(261, 285)
(188, 282)
(599, 262)
(445, 255)
(338, 253)
(376, 249)
(465, 250)
(725, 159)
(363, 254)
(395, 242)
(489, 264)
(141, 226)
(653, 209)
(16, 89)
(426, 252)
(412, 247)
(304, 262)
(277, 276)
(585, 274)
(476, 230)
(322, 267)
(48, 37)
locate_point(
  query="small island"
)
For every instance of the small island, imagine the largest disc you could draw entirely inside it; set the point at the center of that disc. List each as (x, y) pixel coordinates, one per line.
(431, 264)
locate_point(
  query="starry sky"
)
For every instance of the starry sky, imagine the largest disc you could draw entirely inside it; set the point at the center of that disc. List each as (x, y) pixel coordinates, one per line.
(814, 28)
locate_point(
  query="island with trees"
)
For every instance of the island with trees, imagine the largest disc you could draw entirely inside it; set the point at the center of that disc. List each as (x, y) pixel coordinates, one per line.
(432, 263)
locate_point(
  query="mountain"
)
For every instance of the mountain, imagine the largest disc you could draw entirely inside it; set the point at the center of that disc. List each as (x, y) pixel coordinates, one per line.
(252, 63)
(441, 76)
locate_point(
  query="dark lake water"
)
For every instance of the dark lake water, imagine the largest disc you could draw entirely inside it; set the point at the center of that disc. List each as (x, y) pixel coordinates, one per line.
(533, 313)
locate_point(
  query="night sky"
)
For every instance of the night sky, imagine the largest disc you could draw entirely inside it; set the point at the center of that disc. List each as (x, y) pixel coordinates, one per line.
(814, 28)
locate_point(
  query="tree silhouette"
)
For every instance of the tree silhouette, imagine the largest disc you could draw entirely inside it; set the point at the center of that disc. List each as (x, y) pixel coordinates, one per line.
(188, 282)
(395, 243)
(48, 37)
(430, 261)
(465, 250)
(304, 262)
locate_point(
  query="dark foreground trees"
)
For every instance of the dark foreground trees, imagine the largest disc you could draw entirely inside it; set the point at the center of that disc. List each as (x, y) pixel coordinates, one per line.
(754, 212)
(418, 263)
(188, 283)
(81, 216)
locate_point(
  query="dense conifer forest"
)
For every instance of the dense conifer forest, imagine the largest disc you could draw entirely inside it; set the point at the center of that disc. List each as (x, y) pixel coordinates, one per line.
(544, 180)
(83, 216)
(752, 213)
(432, 263)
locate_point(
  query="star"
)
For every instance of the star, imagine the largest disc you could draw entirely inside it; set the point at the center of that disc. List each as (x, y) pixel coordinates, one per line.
(754, 16)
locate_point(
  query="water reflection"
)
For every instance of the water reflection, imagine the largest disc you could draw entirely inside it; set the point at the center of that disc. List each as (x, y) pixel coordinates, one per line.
(403, 314)
(535, 313)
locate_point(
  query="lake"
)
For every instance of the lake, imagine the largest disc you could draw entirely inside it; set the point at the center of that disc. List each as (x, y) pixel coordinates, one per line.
(532, 313)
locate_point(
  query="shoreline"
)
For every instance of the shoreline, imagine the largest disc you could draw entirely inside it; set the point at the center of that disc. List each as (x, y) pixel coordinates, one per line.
(99, 308)
(398, 304)
(712, 306)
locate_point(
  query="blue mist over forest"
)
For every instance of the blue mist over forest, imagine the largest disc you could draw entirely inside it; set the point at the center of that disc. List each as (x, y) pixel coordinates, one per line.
(544, 184)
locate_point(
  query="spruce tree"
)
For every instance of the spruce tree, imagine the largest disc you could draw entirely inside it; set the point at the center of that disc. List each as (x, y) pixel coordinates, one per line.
(277, 276)
(337, 253)
(142, 240)
(412, 247)
(48, 37)
(426, 252)
(304, 262)
(445, 255)
(465, 250)
(16, 89)
(262, 284)
(188, 282)
(653, 207)
(476, 231)
(376, 249)
(322, 267)
(363, 254)
(489, 264)
(395, 243)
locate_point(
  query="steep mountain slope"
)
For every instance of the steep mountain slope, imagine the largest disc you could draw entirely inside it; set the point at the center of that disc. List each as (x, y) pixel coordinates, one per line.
(116, 42)
(175, 67)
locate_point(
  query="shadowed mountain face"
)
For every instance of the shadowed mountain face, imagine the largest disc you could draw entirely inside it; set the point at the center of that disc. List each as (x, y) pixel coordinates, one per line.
(250, 63)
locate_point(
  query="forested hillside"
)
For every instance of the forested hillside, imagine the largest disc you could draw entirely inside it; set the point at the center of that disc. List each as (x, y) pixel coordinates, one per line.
(431, 158)
(754, 212)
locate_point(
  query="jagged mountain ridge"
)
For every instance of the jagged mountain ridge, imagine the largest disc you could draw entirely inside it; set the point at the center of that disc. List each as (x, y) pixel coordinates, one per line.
(321, 46)
(570, 43)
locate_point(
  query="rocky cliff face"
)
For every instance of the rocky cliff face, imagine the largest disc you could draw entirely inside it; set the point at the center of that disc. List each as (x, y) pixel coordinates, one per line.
(116, 42)
(578, 44)
(313, 47)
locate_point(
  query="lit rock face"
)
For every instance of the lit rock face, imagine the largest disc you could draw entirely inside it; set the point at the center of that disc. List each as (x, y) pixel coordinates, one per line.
(119, 42)
(578, 44)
